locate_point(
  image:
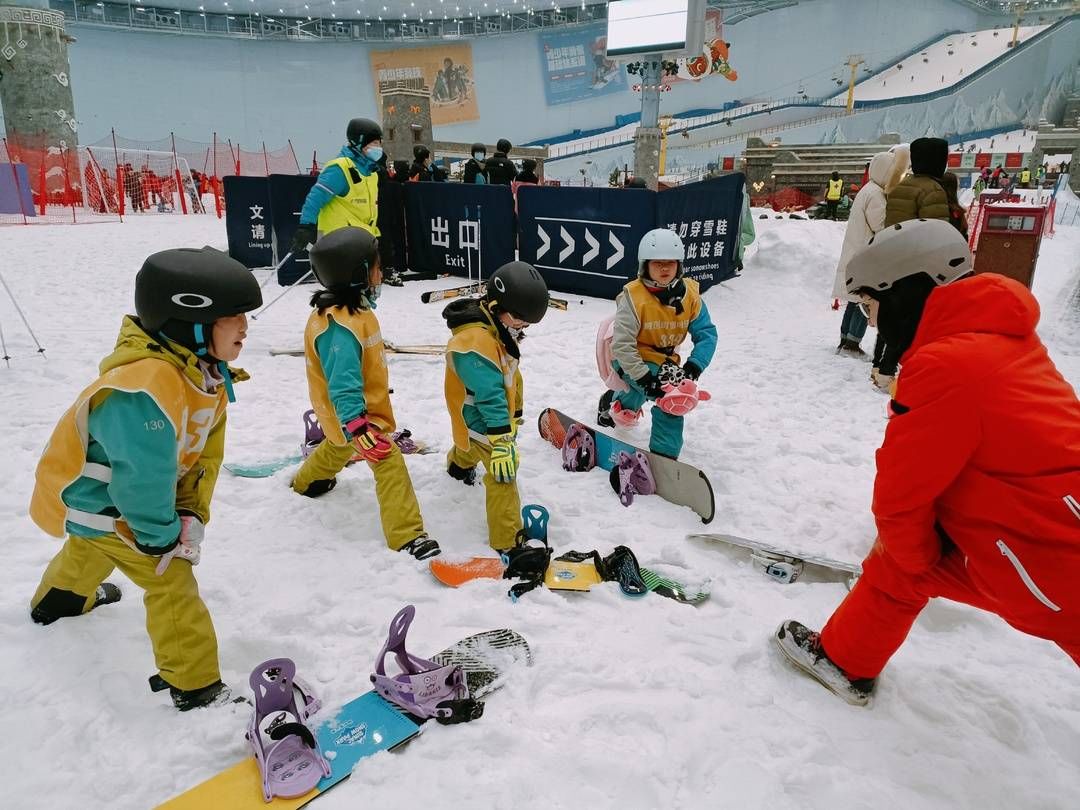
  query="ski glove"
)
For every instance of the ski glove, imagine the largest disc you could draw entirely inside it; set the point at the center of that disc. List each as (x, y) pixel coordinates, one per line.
(305, 235)
(650, 385)
(504, 457)
(367, 439)
(189, 545)
(691, 370)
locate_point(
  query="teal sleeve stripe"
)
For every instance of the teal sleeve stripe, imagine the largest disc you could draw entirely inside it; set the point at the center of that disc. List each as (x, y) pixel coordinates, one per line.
(703, 333)
(485, 381)
(140, 445)
(340, 354)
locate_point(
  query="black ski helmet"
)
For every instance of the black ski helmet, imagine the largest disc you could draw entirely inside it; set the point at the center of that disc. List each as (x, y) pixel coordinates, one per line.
(344, 258)
(420, 153)
(180, 292)
(519, 289)
(478, 147)
(361, 132)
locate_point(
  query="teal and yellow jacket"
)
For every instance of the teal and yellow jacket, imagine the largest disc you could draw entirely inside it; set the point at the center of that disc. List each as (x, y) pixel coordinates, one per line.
(484, 389)
(142, 443)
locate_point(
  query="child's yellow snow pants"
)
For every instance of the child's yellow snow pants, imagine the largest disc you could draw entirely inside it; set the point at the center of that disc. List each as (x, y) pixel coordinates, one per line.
(181, 632)
(503, 501)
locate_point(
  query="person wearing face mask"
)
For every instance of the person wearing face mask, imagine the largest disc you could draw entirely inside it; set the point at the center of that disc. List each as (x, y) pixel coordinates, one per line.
(130, 469)
(475, 171)
(484, 389)
(347, 190)
(653, 315)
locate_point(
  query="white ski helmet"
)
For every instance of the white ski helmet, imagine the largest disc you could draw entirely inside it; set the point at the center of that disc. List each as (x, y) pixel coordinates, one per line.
(930, 246)
(663, 244)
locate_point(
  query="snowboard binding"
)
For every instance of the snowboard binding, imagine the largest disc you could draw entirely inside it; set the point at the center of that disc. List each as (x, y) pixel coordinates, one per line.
(779, 567)
(423, 688)
(313, 434)
(526, 560)
(286, 751)
(578, 450)
(632, 476)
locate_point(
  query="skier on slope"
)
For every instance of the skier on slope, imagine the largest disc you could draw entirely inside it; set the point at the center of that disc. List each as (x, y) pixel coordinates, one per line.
(484, 389)
(130, 469)
(349, 387)
(654, 314)
(977, 495)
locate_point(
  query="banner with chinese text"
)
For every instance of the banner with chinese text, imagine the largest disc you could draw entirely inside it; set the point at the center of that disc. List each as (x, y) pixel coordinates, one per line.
(447, 73)
(706, 216)
(455, 228)
(248, 223)
(575, 66)
(287, 195)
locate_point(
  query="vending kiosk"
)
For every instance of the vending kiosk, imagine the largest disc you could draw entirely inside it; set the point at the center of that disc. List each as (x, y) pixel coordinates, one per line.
(1007, 240)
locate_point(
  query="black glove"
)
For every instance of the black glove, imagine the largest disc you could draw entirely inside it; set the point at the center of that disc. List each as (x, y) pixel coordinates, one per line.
(650, 385)
(691, 370)
(305, 235)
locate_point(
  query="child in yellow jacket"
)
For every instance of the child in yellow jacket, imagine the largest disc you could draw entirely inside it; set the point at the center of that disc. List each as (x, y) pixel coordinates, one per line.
(350, 389)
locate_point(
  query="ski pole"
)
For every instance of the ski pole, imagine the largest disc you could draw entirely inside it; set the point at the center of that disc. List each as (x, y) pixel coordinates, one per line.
(468, 250)
(26, 323)
(274, 269)
(479, 242)
(280, 295)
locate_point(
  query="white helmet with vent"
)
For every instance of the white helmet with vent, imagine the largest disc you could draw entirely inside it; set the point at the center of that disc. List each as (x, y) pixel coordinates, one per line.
(930, 246)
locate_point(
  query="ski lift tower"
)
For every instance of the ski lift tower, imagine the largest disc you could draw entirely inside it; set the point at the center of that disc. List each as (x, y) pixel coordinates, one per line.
(647, 34)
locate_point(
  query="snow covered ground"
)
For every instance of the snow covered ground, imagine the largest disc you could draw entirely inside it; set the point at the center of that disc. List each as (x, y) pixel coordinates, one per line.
(946, 62)
(630, 704)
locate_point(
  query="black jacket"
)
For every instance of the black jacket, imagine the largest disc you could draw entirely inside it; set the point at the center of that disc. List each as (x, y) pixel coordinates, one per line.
(472, 168)
(421, 172)
(500, 170)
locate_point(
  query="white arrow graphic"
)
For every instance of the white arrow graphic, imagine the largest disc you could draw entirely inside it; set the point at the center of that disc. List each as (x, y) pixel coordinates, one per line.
(569, 240)
(546, 242)
(615, 257)
(594, 248)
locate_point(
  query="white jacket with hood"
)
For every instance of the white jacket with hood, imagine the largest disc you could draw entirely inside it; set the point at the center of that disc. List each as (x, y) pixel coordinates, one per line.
(867, 215)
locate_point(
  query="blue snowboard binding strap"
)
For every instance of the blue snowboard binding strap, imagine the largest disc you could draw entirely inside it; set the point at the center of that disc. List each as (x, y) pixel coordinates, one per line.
(526, 560)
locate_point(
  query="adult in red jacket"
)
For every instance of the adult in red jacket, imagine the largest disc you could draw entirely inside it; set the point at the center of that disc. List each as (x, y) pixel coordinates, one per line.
(977, 495)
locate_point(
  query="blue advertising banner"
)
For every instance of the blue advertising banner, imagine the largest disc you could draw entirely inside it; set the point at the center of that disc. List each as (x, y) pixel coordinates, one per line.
(15, 196)
(706, 216)
(453, 228)
(287, 195)
(575, 66)
(248, 222)
(584, 240)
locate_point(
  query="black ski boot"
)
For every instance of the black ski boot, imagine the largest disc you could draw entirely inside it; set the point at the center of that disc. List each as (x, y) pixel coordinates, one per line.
(392, 278)
(466, 475)
(422, 547)
(802, 647)
(216, 694)
(319, 487)
(603, 410)
(58, 604)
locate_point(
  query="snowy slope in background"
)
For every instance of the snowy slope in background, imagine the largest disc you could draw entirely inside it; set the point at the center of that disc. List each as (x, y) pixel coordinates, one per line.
(630, 704)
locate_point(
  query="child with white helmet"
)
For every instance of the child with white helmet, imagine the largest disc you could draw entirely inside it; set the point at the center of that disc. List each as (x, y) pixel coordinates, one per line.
(654, 314)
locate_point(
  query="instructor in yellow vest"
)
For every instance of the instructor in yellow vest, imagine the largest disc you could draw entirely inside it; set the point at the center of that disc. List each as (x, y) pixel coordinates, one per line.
(129, 471)
(347, 190)
(833, 195)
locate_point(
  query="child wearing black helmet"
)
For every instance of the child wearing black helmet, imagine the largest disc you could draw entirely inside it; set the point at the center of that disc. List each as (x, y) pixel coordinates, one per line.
(130, 469)
(350, 388)
(484, 389)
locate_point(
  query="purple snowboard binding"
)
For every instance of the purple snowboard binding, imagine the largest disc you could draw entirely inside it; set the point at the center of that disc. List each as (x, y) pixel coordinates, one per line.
(632, 476)
(578, 450)
(404, 440)
(285, 748)
(423, 688)
(313, 434)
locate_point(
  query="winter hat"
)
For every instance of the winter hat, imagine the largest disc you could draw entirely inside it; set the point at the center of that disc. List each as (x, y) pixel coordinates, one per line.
(420, 152)
(504, 146)
(528, 165)
(929, 156)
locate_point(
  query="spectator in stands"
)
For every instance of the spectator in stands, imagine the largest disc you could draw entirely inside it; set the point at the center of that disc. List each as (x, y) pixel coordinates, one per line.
(528, 172)
(957, 215)
(867, 217)
(475, 172)
(401, 171)
(500, 169)
(420, 172)
(833, 194)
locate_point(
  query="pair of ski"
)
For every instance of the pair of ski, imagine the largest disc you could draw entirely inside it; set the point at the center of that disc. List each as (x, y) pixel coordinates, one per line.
(359, 729)
(476, 288)
(393, 348)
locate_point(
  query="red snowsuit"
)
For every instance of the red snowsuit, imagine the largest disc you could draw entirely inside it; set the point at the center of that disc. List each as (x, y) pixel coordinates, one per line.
(977, 496)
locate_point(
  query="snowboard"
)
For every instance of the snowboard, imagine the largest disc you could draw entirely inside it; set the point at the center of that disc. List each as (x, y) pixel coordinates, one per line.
(786, 565)
(265, 469)
(456, 574)
(360, 728)
(432, 296)
(393, 348)
(676, 482)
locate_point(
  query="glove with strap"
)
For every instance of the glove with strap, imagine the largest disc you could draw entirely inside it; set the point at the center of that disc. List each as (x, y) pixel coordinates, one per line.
(188, 546)
(650, 385)
(305, 235)
(691, 370)
(369, 442)
(504, 457)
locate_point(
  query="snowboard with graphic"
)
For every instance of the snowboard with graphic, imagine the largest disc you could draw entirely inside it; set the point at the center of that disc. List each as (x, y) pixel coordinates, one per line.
(265, 469)
(361, 728)
(562, 576)
(787, 565)
(676, 481)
